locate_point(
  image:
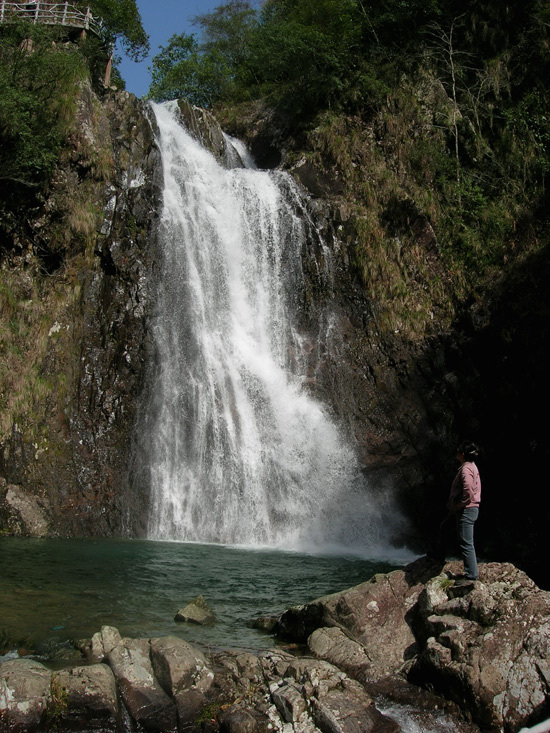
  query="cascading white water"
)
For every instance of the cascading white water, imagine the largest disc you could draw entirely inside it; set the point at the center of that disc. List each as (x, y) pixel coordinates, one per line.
(239, 453)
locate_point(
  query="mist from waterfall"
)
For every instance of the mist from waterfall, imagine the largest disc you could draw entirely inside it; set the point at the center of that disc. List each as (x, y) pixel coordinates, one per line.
(238, 451)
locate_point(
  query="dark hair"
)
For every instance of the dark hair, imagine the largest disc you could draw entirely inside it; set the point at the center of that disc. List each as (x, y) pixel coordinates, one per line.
(469, 450)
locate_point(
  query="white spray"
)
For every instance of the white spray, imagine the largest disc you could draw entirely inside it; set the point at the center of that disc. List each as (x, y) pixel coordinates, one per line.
(239, 452)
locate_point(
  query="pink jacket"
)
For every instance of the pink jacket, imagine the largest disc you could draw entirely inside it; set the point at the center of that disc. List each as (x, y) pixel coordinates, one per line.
(466, 488)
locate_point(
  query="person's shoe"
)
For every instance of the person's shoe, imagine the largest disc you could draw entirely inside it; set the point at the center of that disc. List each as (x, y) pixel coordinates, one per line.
(464, 581)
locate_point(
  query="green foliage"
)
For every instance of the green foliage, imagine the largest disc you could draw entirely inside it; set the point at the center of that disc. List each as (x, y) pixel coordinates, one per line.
(37, 91)
(444, 582)
(301, 54)
(227, 30)
(305, 55)
(57, 704)
(208, 713)
(205, 73)
(531, 119)
(122, 21)
(180, 70)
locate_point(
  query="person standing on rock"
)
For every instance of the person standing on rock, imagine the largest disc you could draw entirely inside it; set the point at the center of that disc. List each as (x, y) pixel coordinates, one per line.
(464, 502)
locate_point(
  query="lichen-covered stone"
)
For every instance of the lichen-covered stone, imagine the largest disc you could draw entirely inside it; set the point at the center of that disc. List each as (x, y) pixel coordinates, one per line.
(87, 698)
(146, 701)
(25, 694)
(374, 614)
(22, 513)
(484, 645)
(490, 651)
(179, 665)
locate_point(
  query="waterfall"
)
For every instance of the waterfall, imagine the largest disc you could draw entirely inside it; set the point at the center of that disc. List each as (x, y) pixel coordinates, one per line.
(238, 451)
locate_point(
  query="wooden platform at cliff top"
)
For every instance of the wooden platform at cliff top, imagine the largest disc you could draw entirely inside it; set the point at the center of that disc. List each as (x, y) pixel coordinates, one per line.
(62, 14)
(58, 14)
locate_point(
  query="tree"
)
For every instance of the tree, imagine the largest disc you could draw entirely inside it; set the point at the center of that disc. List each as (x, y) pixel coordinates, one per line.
(306, 52)
(122, 21)
(451, 59)
(180, 70)
(227, 30)
(209, 71)
(37, 92)
(302, 54)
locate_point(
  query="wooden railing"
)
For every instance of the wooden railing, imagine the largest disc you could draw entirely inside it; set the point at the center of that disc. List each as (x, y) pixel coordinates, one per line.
(49, 14)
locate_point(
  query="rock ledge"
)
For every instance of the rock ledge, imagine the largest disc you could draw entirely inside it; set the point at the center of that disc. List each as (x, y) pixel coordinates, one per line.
(411, 640)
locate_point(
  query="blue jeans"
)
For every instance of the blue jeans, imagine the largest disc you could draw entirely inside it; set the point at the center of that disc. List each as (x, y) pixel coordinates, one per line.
(465, 528)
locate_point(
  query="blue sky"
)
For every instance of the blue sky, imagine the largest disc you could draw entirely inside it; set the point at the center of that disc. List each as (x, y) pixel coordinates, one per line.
(161, 19)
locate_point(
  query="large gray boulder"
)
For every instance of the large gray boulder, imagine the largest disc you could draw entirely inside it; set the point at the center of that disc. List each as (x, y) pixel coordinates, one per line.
(147, 702)
(487, 646)
(375, 618)
(86, 698)
(25, 695)
(184, 674)
(21, 513)
(332, 644)
(179, 665)
(484, 645)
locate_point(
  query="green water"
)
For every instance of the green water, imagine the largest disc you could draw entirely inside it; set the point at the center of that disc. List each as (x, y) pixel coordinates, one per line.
(53, 591)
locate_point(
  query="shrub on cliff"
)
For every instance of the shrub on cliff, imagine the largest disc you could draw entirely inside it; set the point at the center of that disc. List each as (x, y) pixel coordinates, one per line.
(40, 69)
(37, 92)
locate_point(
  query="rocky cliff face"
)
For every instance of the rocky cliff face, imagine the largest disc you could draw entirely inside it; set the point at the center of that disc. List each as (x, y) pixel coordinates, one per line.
(68, 444)
(78, 279)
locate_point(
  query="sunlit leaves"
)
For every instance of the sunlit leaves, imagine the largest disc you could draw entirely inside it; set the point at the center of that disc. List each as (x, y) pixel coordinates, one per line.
(122, 21)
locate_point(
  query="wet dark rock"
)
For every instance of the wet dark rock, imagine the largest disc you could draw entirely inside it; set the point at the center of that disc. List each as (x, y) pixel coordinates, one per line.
(22, 514)
(315, 181)
(206, 129)
(96, 350)
(264, 623)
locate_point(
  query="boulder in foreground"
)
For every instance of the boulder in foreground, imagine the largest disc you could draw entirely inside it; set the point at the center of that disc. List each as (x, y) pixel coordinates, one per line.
(413, 638)
(484, 645)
